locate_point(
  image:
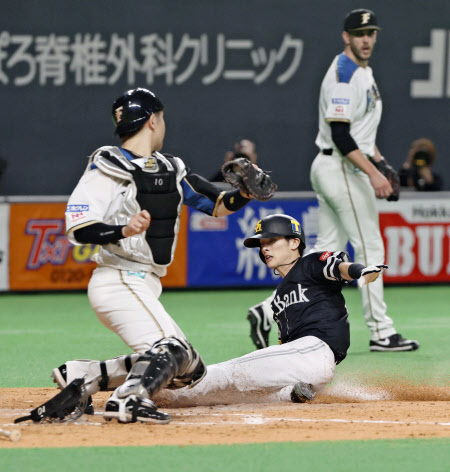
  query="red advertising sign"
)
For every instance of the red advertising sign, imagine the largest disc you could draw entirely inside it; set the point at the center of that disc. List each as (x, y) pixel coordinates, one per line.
(416, 235)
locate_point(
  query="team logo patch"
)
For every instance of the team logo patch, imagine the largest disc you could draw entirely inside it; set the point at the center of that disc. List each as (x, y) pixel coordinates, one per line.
(325, 255)
(295, 226)
(365, 18)
(151, 165)
(77, 216)
(340, 101)
(76, 208)
(339, 110)
(258, 227)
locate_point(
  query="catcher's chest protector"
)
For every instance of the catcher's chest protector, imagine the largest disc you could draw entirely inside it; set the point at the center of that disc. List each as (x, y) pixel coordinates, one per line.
(158, 193)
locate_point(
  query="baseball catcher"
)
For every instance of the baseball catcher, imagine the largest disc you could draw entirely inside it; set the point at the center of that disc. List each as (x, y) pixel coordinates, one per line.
(129, 201)
(252, 180)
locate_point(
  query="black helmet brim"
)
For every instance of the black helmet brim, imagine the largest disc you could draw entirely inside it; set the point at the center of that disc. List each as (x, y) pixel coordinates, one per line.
(255, 241)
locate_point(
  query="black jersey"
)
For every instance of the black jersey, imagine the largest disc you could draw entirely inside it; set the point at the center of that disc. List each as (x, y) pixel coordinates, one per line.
(309, 302)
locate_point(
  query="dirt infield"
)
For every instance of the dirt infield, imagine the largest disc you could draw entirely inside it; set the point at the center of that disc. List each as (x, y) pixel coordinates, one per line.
(408, 413)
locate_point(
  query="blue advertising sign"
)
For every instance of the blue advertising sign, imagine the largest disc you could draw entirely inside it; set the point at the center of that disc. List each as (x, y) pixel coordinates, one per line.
(216, 254)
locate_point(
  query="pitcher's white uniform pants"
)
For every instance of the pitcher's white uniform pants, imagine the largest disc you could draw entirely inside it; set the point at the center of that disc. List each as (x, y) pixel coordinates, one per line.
(307, 359)
(127, 303)
(347, 212)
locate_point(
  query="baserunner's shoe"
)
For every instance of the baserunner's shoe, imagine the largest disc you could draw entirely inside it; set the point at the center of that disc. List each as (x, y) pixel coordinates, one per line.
(302, 393)
(60, 377)
(259, 326)
(132, 409)
(394, 343)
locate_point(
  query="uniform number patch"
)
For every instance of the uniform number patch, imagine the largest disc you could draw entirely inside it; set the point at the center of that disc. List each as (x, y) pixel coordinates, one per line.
(325, 255)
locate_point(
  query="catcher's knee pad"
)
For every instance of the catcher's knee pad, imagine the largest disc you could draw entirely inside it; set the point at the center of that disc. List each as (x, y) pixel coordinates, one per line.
(191, 368)
(171, 362)
(195, 371)
(171, 357)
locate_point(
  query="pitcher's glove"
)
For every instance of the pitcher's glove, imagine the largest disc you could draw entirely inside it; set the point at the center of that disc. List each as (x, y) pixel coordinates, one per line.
(392, 175)
(68, 405)
(241, 173)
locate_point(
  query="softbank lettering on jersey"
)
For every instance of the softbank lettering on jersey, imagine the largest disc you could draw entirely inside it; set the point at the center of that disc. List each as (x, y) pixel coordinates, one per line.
(439, 62)
(294, 296)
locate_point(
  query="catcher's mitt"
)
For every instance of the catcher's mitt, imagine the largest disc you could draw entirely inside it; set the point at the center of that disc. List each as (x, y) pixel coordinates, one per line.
(68, 405)
(392, 175)
(242, 174)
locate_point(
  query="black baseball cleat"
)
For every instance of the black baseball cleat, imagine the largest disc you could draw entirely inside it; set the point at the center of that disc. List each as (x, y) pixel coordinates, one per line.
(394, 343)
(302, 393)
(59, 376)
(259, 326)
(132, 409)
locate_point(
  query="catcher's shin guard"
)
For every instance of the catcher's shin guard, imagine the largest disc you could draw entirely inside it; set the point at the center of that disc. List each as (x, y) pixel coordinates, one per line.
(171, 362)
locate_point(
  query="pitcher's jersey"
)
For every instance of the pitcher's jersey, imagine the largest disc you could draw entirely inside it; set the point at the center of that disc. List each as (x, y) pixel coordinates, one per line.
(349, 93)
(309, 302)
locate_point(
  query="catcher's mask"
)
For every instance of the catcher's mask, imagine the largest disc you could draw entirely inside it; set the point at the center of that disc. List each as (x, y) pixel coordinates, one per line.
(275, 226)
(132, 109)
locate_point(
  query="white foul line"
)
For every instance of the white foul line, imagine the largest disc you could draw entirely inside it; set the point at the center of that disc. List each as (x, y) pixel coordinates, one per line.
(259, 419)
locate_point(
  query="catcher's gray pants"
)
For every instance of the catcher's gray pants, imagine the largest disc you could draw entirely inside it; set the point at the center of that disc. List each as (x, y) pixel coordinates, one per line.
(307, 359)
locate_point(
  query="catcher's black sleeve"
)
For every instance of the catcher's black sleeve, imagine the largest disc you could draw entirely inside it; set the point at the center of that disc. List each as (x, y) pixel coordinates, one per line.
(202, 186)
(340, 133)
(99, 233)
(200, 194)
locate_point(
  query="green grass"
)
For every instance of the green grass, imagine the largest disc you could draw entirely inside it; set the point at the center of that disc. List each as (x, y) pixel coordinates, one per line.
(340, 456)
(40, 331)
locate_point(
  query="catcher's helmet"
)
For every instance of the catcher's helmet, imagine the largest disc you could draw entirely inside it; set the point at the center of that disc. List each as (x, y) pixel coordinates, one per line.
(274, 226)
(132, 109)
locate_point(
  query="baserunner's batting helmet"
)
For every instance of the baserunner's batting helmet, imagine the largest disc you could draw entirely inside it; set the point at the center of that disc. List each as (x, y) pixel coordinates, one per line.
(275, 226)
(132, 109)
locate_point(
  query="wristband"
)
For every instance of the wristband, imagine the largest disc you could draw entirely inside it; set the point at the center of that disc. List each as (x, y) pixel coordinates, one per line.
(354, 270)
(233, 200)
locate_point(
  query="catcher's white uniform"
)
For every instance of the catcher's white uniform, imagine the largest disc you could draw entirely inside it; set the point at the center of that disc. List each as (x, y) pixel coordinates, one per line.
(125, 287)
(347, 202)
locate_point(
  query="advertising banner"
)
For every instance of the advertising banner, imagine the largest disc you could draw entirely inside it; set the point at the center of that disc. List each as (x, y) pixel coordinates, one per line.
(4, 240)
(42, 258)
(416, 235)
(177, 272)
(210, 251)
(216, 254)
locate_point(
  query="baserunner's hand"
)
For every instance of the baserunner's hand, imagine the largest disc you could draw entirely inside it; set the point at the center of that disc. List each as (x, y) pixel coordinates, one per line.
(370, 274)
